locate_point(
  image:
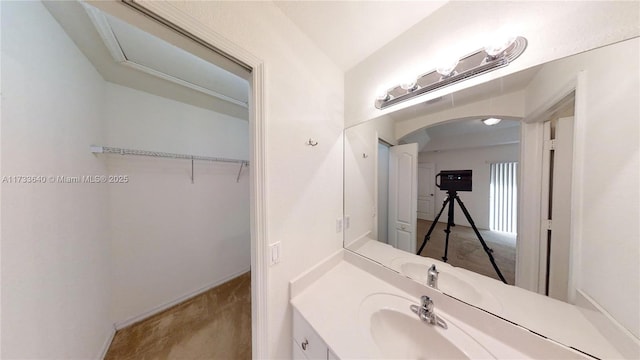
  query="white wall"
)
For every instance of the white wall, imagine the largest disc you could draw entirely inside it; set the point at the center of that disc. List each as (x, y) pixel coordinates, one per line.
(606, 209)
(503, 136)
(55, 237)
(170, 237)
(503, 106)
(554, 30)
(304, 99)
(478, 160)
(361, 176)
(140, 120)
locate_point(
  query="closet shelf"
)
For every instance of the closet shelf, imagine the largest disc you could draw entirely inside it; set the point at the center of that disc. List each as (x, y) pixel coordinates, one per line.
(121, 151)
(114, 150)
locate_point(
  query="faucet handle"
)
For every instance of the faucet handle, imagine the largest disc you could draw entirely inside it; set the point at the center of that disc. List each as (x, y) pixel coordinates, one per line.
(426, 302)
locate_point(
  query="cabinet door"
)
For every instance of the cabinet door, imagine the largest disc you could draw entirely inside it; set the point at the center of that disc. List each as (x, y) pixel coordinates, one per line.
(308, 341)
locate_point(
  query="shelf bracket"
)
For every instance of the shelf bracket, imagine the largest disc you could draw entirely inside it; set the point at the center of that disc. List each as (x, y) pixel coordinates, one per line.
(239, 172)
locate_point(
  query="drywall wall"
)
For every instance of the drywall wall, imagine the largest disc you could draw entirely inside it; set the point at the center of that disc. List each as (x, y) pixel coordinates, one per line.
(304, 99)
(171, 238)
(479, 161)
(606, 211)
(504, 106)
(502, 136)
(553, 30)
(55, 237)
(140, 120)
(361, 176)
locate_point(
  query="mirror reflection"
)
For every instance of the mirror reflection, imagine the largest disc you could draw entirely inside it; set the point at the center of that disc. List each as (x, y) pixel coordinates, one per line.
(524, 184)
(477, 168)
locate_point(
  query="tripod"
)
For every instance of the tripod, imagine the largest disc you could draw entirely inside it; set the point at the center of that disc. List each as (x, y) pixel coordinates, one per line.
(451, 195)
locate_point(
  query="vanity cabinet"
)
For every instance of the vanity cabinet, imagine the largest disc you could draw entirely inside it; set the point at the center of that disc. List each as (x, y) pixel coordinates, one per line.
(307, 344)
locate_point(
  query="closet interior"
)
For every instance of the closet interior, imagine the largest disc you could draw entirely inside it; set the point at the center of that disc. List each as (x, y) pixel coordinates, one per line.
(143, 152)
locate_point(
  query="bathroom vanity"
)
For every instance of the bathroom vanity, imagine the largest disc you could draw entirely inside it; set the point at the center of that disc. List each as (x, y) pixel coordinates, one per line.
(352, 307)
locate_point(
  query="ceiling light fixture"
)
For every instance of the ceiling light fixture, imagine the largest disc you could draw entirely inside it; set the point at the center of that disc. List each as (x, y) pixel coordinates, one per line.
(491, 121)
(494, 56)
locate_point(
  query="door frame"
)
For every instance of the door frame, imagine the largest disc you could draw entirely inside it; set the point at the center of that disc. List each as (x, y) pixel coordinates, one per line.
(530, 185)
(378, 216)
(141, 14)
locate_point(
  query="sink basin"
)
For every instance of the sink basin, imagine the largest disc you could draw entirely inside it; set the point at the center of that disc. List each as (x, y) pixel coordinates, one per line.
(451, 284)
(400, 334)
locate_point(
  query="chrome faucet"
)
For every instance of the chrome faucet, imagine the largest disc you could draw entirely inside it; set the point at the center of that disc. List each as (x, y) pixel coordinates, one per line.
(426, 310)
(432, 277)
(426, 313)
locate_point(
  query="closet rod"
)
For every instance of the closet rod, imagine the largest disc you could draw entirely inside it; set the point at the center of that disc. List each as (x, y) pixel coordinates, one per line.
(115, 150)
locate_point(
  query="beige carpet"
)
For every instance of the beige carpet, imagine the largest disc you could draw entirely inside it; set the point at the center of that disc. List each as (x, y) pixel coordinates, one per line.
(465, 250)
(212, 325)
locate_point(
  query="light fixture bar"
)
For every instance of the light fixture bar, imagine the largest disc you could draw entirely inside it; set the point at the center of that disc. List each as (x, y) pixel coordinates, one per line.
(474, 64)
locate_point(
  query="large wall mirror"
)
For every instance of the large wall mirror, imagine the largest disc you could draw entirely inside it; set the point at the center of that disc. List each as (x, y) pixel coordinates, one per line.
(547, 197)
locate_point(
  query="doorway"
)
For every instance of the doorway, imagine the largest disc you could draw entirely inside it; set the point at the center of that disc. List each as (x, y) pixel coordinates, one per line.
(383, 191)
(555, 243)
(90, 240)
(544, 263)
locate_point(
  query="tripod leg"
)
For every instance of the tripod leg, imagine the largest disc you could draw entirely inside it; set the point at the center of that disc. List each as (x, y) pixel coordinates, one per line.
(484, 245)
(448, 229)
(433, 225)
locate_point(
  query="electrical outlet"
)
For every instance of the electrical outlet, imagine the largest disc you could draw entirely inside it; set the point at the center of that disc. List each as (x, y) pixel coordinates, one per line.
(275, 253)
(339, 225)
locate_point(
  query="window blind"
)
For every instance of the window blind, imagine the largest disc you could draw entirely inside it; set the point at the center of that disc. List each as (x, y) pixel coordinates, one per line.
(503, 197)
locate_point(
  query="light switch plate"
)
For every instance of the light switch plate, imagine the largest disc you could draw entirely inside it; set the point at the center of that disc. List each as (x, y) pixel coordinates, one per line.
(274, 250)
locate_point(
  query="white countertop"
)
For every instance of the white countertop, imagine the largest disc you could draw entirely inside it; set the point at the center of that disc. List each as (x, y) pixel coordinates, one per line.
(561, 321)
(331, 300)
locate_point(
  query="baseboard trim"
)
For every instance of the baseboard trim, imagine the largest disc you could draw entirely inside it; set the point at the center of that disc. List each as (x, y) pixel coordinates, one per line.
(157, 309)
(107, 343)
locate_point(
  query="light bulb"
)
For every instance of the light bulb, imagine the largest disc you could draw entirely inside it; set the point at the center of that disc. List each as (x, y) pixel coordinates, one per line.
(447, 67)
(409, 85)
(491, 121)
(383, 96)
(498, 45)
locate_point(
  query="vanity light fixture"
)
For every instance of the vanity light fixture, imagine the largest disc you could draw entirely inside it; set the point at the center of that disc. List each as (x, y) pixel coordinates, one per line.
(498, 45)
(491, 121)
(383, 96)
(447, 68)
(499, 54)
(409, 86)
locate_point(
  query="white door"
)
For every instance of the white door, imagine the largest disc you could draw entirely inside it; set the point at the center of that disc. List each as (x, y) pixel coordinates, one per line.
(403, 196)
(426, 191)
(556, 207)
